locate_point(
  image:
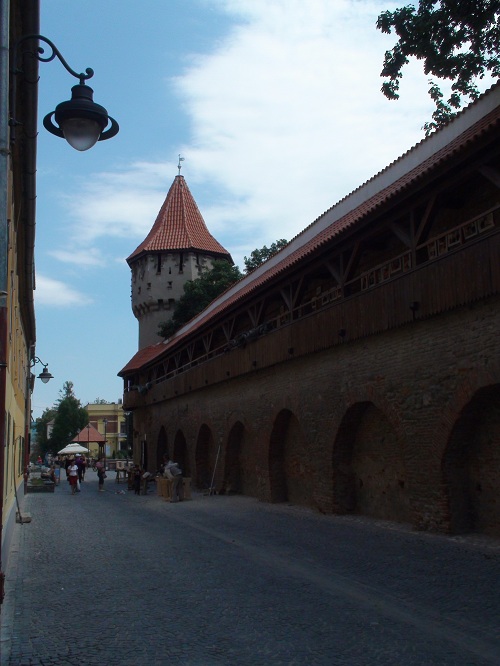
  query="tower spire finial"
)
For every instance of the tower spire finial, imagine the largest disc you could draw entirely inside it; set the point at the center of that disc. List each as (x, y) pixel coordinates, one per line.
(179, 166)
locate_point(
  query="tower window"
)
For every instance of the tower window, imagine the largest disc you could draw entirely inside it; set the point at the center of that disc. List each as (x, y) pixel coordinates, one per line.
(149, 285)
(158, 263)
(169, 285)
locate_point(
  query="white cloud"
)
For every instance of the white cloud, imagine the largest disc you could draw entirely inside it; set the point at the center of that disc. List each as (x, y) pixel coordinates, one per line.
(286, 117)
(57, 294)
(120, 204)
(81, 258)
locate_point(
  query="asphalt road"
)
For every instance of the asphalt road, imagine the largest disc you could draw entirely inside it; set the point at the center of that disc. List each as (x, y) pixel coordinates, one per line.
(115, 579)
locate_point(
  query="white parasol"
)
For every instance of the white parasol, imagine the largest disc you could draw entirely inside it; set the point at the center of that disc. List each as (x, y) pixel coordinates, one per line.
(72, 449)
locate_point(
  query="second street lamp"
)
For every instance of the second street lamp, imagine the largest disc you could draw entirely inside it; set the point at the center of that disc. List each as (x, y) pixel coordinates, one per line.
(45, 375)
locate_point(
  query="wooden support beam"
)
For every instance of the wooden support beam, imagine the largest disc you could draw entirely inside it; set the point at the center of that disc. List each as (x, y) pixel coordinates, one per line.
(426, 218)
(491, 174)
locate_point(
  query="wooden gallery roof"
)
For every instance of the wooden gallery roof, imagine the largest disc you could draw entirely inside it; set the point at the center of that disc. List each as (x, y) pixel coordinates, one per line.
(446, 149)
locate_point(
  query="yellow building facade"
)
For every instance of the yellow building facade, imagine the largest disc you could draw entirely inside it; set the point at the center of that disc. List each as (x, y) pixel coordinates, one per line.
(18, 101)
(111, 421)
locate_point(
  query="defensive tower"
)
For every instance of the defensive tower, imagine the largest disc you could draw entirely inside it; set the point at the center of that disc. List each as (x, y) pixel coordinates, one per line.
(176, 250)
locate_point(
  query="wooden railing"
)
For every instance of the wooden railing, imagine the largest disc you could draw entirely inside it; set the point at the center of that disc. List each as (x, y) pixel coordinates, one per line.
(465, 271)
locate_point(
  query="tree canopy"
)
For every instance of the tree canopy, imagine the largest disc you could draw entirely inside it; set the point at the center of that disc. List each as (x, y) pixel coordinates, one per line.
(199, 293)
(458, 40)
(257, 257)
(69, 418)
(212, 282)
(42, 441)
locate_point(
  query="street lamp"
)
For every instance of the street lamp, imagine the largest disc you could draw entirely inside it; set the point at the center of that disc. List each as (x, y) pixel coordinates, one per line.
(105, 421)
(45, 375)
(79, 120)
(88, 439)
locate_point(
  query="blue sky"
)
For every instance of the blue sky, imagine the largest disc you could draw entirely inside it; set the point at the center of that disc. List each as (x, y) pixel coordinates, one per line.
(275, 106)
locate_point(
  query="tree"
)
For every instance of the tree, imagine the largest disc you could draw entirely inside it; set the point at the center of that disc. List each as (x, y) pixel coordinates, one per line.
(257, 257)
(199, 293)
(458, 40)
(70, 417)
(42, 441)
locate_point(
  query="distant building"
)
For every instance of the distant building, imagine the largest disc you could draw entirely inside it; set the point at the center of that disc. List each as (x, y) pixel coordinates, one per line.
(110, 420)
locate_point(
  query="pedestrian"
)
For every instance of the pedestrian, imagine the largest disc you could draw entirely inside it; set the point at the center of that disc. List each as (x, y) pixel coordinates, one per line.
(80, 465)
(84, 466)
(101, 473)
(73, 476)
(174, 473)
(137, 479)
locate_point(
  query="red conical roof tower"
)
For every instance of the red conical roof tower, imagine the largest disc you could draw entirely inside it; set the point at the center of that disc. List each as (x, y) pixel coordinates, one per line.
(176, 250)
(180, 227)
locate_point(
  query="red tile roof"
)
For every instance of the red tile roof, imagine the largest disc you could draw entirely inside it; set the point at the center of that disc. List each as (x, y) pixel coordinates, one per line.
(179, 226)
(88, 434)
(481, 117)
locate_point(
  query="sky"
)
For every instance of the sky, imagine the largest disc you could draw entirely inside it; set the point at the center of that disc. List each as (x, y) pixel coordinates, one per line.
(275, 106)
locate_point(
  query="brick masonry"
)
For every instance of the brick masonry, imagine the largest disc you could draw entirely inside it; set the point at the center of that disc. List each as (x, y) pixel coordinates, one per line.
(403, 425)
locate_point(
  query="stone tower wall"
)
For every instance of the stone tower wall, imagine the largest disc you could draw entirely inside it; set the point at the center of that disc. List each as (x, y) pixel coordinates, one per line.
(157, 284)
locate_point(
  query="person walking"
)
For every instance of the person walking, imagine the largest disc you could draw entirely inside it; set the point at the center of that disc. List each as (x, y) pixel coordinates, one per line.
(101, 474)
(73, 476)
(81, 468)
(83, 461)
(174, 473)
(137, 479)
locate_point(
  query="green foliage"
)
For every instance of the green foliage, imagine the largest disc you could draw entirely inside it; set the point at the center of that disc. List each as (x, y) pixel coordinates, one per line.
(211, 283)
(101, 401)
(257, 257)
(42, 442)
(199, 293)
(458, 40)
(70, 417)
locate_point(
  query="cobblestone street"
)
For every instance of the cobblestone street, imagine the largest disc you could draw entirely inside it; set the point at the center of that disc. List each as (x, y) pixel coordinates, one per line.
(116, 579)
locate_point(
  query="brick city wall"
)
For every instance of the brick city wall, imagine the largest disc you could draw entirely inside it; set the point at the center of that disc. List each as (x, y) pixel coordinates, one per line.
(403, 425)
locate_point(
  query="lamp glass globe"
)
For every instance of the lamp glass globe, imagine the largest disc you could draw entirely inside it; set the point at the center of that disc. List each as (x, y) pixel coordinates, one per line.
(81, 133)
